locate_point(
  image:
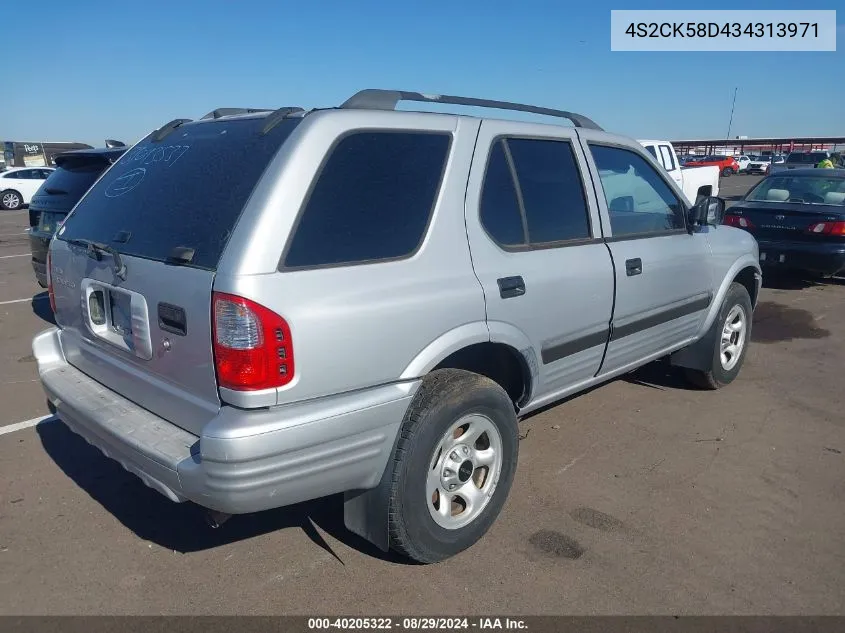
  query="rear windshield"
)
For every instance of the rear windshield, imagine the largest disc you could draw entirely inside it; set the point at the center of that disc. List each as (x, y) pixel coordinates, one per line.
(187, 190)
(67, 184)
(804, 189)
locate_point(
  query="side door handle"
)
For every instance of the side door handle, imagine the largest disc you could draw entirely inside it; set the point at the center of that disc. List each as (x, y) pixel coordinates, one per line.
(511, 287)
(633, 266)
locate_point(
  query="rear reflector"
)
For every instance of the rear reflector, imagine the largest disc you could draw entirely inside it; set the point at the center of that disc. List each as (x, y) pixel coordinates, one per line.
(827, 228)
(252, 345)
(50, 281)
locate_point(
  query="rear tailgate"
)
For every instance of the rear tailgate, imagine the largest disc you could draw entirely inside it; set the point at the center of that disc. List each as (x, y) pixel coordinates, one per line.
(168, 209)
(112, 331)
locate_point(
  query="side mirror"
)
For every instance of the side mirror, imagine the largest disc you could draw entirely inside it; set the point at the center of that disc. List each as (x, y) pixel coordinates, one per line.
(708, 210)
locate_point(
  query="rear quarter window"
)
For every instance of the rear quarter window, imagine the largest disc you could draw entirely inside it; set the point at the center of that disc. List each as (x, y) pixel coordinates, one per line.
(372, 200)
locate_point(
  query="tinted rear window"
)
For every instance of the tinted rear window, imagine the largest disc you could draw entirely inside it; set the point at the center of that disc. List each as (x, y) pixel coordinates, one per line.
(372, 200)
(67, 184)
(186, 190)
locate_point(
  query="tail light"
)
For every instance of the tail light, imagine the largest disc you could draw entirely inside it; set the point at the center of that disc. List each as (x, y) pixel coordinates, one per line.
(738, 221)
(252, 345)
(827, 228)
(50, 281)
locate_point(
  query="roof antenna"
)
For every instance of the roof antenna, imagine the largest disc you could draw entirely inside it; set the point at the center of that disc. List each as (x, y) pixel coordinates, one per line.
(730, 123)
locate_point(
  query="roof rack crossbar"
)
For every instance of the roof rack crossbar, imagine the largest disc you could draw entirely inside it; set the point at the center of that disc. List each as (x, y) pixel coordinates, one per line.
(376, 99)
(220, 112)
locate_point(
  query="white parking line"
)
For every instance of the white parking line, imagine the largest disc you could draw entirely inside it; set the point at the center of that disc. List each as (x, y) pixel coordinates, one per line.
(38, 298)
(19, 426)
(13, 234)
(19, 255)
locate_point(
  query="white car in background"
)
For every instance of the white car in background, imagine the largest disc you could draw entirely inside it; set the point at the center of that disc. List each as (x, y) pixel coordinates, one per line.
(18, 185)
(743, 162)
(759, 165)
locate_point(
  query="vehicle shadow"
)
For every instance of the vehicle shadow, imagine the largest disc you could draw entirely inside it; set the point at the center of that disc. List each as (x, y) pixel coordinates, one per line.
(181, 527)
(660, 375)
(791, 280)
(41, 308)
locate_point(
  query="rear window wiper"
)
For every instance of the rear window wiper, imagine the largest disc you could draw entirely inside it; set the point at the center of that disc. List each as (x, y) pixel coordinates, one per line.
(54, 192)
(96, 250)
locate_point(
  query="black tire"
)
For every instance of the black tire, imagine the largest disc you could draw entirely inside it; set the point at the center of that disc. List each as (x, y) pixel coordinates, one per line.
(13, 193)
(717, 376)
(444, 397)
(727, 171)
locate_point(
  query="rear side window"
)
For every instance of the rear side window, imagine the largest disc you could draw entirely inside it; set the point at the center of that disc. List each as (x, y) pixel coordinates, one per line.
(187, 190)
(668, 159)
(372, 200)
(501, 215)
(539, 188)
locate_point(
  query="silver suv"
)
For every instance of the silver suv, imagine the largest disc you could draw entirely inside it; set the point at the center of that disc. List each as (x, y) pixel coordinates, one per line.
(259, 308)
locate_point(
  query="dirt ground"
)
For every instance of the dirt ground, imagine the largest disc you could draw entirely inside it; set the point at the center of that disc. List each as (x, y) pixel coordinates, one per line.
(642, 496)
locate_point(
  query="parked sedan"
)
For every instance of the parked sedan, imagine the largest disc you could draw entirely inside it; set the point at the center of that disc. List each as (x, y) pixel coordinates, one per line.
(798, 219)
(75, 172)
(17, 186)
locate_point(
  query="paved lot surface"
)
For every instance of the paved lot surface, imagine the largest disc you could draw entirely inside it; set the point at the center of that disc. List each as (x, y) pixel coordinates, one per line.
(641, 496)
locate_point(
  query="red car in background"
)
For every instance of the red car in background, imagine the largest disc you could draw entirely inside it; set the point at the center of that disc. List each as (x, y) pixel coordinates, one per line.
(727, 164)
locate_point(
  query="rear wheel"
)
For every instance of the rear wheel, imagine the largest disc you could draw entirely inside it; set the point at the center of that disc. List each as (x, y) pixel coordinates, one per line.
(453, 467)
(11, 200)
(733, 335)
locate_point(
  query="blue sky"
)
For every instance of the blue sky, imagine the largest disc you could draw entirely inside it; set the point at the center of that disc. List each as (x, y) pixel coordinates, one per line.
(91, 70)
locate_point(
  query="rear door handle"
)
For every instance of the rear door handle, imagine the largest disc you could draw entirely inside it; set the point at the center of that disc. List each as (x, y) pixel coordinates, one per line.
(633, 266)
(511, 287)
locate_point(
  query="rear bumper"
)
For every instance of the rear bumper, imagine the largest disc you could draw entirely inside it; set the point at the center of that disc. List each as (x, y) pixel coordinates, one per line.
(824, 259)
(244, 461)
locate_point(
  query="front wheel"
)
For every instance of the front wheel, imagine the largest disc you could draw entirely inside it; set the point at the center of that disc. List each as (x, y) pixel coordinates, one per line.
(453, 467)
(731, 343)
(727, 171)
(11, 200)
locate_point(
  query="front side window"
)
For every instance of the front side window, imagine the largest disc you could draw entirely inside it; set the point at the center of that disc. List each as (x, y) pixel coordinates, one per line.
(372, 200)
(533, 194)
(639, 201)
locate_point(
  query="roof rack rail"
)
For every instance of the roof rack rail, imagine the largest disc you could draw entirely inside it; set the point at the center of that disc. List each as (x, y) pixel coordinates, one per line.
(167, 128)
(220, 112)
(376, 99)
(277, 116)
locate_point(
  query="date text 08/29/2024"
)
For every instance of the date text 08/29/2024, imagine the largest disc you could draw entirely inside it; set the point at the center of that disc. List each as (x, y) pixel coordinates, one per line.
(416, 624)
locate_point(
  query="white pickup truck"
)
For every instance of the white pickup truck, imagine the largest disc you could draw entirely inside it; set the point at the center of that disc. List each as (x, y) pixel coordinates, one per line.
(695, 182)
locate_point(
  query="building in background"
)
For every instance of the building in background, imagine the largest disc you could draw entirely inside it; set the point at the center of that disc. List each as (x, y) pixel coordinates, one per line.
(35, 154)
